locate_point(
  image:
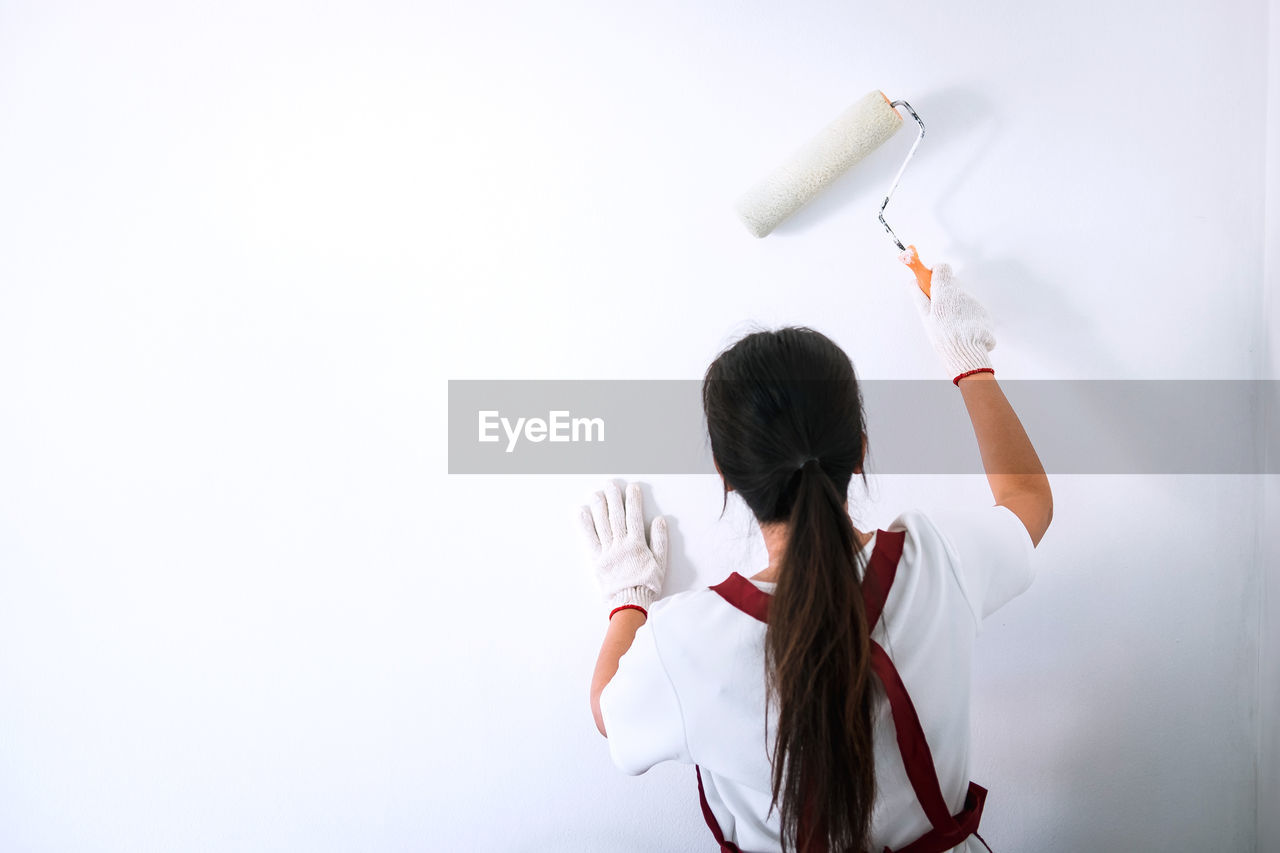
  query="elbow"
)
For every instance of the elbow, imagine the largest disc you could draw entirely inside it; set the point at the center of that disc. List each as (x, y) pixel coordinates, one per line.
(596, 713)
(1048, 511)
(1033, 508)
(1046, 518)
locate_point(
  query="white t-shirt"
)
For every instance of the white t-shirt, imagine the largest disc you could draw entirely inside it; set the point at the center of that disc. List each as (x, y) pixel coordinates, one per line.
(691, 687)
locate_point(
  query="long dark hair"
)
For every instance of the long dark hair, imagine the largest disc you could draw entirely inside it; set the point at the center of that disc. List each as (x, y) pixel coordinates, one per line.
(785, 419)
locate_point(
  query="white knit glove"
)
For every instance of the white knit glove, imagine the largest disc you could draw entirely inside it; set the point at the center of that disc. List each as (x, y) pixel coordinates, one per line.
(958, 326)
(630, 574)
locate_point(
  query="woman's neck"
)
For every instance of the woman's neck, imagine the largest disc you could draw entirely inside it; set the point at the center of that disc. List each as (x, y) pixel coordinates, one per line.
(775, 540)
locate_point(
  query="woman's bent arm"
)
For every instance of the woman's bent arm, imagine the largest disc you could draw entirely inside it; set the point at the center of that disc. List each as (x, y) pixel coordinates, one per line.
(1013, 469)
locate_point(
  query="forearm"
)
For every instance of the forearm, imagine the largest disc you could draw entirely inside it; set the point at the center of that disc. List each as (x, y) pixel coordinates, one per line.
(1014, 472)
(617, 639)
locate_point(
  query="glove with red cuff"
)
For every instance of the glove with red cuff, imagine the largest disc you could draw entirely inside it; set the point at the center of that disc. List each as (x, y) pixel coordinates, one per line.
(957, 324)
(630, 572)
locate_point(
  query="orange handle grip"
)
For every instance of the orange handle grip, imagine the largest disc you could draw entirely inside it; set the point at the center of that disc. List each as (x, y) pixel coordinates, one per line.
(924, 275)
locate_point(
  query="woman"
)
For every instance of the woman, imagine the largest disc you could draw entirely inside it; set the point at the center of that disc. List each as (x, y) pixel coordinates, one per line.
(824, 700)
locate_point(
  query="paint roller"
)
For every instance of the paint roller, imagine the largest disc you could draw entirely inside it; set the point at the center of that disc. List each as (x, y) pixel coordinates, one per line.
(855, 133)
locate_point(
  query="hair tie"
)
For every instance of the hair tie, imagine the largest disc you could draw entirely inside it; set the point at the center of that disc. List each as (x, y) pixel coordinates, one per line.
(808, 460)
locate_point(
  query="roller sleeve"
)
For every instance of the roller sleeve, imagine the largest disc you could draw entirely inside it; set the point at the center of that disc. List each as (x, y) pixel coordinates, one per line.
(854, 134)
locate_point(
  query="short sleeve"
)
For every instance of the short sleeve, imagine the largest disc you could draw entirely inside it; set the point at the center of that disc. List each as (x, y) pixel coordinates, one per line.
(992, 554)
(641, 712)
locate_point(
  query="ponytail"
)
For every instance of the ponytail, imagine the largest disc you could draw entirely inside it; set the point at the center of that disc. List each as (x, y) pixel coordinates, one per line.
(772, 399)
(817, 654)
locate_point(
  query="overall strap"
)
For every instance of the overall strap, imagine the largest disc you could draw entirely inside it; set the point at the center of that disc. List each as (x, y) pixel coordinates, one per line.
(716, 832)
(948, 830)
(918, 760)
(882, 567)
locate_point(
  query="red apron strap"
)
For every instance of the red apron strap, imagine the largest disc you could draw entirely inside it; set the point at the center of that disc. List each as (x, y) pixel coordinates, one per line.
(744, 595)
(948, 830)
(881, 569)
(725, 846)
(916, 756)
(966, 824)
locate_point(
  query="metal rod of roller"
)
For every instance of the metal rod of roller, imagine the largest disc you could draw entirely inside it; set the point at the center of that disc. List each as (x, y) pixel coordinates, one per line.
(898, 177)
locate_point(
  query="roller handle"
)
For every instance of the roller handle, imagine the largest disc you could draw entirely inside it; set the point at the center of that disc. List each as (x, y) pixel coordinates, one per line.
(924, 275)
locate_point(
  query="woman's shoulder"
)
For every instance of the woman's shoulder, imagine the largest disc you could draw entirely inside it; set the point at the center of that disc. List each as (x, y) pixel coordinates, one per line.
(928, 526)
(703, 611)
(683, 603)
(986, 549)
(918, 525)
(943, 524)
(911, 520)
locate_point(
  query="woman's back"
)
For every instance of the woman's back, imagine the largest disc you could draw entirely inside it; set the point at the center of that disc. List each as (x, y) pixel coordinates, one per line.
(692, 686)
(787, 429)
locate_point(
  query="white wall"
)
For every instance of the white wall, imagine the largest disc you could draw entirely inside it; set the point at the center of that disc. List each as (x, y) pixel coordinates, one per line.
(243, 606)
(1269, 529)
